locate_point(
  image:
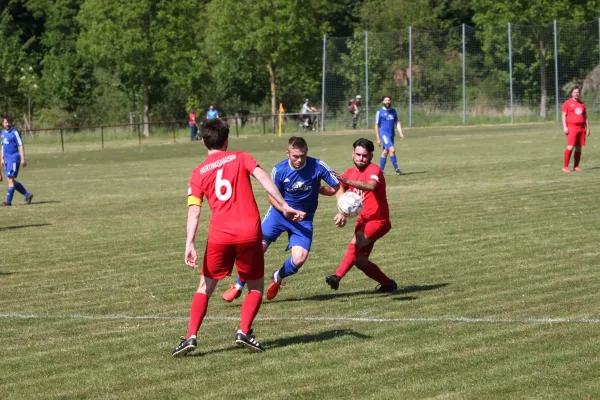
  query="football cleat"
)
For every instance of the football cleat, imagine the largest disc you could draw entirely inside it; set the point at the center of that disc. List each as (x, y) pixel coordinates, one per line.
(333, 281)
(4, 203)
(231, 294)
(577, 169)
(28, 199)
(273, 290)
(186, 346)
(389, 288)
(566, 169)
(398, 172)
(248, 340)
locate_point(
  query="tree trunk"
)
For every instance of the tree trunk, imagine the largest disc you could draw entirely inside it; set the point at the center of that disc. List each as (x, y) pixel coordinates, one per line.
(543, 81)
(273, 96)
(146, 108)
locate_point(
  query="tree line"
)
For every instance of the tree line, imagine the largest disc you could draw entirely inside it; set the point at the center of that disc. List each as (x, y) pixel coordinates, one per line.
(85, 62)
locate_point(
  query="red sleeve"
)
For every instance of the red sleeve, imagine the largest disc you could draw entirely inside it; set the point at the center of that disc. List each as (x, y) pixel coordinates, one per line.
(194, 188)
(375, 173)
(248, 162)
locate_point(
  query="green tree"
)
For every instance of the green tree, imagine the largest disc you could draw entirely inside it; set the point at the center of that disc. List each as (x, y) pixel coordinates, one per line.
(148, 43)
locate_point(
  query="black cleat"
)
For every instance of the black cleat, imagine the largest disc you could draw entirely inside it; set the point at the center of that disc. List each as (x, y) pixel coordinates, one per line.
(398, 172)
(186, 346)
(28, 199)
(6, 204)
(333, 281)
(389, 288)
(248, 340)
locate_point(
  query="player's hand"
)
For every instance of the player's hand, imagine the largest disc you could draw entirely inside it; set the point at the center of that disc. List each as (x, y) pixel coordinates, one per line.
(401, 136)
(339, 220)
(191, 256)
(339, 177)
(23, 163)
(588, 132)
(566, 130)
(293, 214)
(378, 142)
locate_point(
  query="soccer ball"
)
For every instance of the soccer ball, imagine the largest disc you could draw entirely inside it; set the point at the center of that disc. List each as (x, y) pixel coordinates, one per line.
(350, 204)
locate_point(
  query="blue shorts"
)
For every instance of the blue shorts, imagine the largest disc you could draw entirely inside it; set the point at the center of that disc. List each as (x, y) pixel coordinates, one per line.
(11, 167)
(299, 233)
(388, 141)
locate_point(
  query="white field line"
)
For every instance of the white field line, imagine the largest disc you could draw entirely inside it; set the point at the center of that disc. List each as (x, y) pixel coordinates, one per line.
(457, 319)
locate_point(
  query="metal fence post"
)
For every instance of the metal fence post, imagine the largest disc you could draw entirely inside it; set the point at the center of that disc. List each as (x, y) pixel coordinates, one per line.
(599, 36)
(237, 133)
(464, 78)
(323, 73)
(139, 133)
(367, 78)
(102, 135)
(510, 75)
(556, 66)
(173, 130)
(410, 76)
(62, 140)
(264, 125)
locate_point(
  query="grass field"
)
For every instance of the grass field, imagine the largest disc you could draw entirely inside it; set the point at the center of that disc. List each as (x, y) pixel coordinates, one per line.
(495, 250)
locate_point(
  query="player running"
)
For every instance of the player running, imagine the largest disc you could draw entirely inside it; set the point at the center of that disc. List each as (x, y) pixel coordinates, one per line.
(386, 121)
(373, 222)
(234, 233)
(12, 157)
(576, 126)
(298, 179)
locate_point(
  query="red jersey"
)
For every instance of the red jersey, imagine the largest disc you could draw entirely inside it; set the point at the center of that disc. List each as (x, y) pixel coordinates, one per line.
(575, 112)
(224, 178)
(375, 205)
(192, 118)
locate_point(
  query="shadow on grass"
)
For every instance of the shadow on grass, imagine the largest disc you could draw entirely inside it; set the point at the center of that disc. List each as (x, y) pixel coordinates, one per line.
(372, 293)
(287, 341)
(414, 172)
(34, 203)
(8, 228)
(5, 273)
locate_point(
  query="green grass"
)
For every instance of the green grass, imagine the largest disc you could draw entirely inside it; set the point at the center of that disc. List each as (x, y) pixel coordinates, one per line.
(491, 243)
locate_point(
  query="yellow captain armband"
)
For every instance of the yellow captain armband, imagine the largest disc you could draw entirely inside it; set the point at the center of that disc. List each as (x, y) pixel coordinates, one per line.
(194, 201)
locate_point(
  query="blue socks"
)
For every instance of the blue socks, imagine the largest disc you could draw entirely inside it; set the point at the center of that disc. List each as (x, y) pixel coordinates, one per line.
(288, 268)
(10, 194)
(394, 161)
(21, 189)
(382, 161)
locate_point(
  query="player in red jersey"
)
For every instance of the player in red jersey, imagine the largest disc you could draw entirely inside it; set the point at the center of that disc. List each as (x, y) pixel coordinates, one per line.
(373, 223)
(234, 233)
(576, 126)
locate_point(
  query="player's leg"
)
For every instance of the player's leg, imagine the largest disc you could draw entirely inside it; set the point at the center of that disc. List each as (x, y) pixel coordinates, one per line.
(11, 168)
(384, 154)
(354, 119)
(374, 230)
(571, 142)
(217, 264)
(393, 159)
(300, 239)
(250, 263)
(579, 143)
(347, 262)
(21, 189)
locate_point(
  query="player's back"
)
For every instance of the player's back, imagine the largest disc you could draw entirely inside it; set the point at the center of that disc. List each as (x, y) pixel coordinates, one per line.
(224, 179)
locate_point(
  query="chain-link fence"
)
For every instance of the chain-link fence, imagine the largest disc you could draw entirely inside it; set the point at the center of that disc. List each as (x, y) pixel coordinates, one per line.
(462, 75)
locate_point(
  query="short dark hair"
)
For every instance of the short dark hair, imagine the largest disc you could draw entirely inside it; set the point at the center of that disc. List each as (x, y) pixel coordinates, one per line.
(297, 142)
(8, 118)
(384, 97)
(365, 144)
(575, 87)
(215, 133)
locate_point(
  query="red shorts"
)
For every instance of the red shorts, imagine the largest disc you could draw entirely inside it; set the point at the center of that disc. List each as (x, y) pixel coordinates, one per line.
(248, 257)
(576, 136)
(374, 230)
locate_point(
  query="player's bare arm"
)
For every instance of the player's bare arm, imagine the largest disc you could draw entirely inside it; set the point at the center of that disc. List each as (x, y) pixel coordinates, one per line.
(564, 121)
(191, 256)
(588, 132)
(369, 186)
(22, 154)
(327, 191)
(377, 135)
(274, 203)
(2, 155)
(272, 190)
(399, 127)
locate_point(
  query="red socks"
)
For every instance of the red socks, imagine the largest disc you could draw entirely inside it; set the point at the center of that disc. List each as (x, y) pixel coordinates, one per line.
(347, 262)
(373, 272)
(567, 157)
(577, 158)
(197, 313)
(250, 308)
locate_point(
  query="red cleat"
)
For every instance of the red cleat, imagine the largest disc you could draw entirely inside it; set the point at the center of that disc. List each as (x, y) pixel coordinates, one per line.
(578, 169)
(231, 294)
(273, 290)
(566, 169)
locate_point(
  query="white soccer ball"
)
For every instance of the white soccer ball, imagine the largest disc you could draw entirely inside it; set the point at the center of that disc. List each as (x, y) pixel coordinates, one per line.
(350, 204)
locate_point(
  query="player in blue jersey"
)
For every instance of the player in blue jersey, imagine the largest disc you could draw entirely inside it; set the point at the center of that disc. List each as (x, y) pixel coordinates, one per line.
(298, 178)
(12, 158)
(212, 113)
(386, 122)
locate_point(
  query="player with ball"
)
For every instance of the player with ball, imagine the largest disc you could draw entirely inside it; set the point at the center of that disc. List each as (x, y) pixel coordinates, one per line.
(365, 180)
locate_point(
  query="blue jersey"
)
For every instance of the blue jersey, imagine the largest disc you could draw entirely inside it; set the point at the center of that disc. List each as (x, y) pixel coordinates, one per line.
(300, 187)
(386, 120)
(212, 114)
(11, 140)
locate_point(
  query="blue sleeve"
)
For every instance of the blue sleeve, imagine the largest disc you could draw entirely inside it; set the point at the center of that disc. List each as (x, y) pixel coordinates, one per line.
(326, 175)
(377, 119)
(276, 178)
